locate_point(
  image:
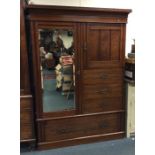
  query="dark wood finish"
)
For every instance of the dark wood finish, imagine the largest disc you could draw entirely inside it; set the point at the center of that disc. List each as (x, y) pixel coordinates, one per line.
(80, 140)
(104, 45)
(102, 76)
(26, 110)
(79, 131)
(78, 126)
(26, 119)
(102, 91)
(24, 72)
(99, 37)
(26, 99)
(102, 104)
(35, 26)
(77, 14)
(26, 133)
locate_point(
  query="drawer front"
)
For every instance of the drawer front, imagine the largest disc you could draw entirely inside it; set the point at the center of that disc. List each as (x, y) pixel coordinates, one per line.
(108, 76)
(67, 128)
(26, 116)
(105, 104)
(26, 131)
(26, 102)
(102, 91)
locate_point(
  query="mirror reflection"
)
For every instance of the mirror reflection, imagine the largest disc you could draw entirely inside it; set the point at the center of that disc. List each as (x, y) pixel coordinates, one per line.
(57, 69)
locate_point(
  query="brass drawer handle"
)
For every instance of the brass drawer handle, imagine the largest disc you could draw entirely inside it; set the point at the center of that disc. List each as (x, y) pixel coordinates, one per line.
(102, 91)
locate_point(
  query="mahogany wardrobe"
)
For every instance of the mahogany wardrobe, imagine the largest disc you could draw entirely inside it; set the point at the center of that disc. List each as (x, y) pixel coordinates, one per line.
(76, 57)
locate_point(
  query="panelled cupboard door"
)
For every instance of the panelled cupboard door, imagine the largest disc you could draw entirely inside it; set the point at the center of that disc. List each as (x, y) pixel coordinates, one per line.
(104, 45)
(55, 59)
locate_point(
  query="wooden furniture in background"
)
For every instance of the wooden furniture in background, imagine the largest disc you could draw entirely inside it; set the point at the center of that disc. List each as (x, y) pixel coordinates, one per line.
(99, 42)
(26, 98)
(130, 98)
(130, 94)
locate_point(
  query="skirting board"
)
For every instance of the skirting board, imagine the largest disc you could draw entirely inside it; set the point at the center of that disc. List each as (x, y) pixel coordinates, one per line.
(80, 140)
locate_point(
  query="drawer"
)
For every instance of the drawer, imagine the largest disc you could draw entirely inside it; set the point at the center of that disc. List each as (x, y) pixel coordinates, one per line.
(105, 104)
(80, 126)
(102, 91)
(102, 76)
(25, 131)
(26, 102)
(26, 116)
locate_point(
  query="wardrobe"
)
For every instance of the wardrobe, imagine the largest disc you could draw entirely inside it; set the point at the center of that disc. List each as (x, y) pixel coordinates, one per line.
(77, 64)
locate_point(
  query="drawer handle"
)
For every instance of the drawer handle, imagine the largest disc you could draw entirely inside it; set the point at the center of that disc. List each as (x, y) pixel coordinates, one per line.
(103, 125)
(103, 104)
(103, 76)
(102, 91)
(63, 131)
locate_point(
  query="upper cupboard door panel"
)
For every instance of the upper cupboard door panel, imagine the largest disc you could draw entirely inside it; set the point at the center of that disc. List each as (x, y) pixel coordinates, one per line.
(104, 45)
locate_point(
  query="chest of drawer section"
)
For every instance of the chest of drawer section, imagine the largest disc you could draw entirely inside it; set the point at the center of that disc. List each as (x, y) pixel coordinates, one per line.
(102, 90)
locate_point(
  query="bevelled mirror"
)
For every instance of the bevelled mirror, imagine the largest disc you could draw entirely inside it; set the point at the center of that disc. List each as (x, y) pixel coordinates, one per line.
(57, 69)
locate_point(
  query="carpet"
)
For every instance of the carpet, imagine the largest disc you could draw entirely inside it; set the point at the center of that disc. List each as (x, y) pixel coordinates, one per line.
(124, 146)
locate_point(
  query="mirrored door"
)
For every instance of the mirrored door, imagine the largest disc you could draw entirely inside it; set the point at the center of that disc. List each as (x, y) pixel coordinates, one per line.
(57, 67)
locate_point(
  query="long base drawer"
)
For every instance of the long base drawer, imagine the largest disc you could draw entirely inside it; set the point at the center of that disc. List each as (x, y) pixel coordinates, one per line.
(80, 126)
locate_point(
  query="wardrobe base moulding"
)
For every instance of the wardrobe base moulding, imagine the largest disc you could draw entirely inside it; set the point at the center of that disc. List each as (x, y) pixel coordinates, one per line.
(80, 140)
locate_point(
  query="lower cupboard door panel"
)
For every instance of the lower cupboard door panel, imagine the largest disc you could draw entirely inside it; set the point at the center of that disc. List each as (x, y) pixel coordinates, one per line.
(81, 126)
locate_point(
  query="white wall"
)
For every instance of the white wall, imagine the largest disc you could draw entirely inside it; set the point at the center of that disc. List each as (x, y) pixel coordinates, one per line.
(128, 4)
(56, 2)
